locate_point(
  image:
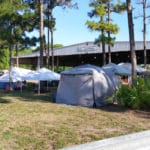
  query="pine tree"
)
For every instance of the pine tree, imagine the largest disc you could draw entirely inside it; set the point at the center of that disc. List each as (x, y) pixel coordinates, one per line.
(103, 25)
(51, 4)
(15, 21)
(132, 41)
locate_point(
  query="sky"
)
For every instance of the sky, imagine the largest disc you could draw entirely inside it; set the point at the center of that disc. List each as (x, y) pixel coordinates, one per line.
(71, 28)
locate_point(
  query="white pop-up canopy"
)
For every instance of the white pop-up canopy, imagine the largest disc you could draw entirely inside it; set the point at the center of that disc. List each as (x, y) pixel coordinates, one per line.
(42, 74)
(17, 74)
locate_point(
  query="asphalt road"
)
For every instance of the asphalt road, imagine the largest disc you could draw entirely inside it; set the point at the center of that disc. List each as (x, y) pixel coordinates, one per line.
(135, 141)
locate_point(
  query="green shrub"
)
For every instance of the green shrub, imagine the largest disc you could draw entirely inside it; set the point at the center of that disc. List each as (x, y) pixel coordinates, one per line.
(30, 86)
(144, 100)
(141, 84)
(137, 97)
(127, 96)
(147, 82)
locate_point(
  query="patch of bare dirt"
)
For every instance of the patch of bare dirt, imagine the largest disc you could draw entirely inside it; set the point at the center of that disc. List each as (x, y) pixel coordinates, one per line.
(117, 108)
(142, 114)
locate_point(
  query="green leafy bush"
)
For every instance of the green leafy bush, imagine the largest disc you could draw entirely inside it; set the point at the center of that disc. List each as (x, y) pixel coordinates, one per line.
(144, 99)
(137, 97)
(127, 96)
(30, 86)
(4, 59)
(147, 82)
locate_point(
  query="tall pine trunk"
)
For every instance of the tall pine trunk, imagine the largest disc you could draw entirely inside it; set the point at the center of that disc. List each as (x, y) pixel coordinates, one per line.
(52, 48)
(41, 32)
(132, 41)
(144, 32)
(109, 47)
(48, 42)
(10, 67)
(17, 58)
(103, 43)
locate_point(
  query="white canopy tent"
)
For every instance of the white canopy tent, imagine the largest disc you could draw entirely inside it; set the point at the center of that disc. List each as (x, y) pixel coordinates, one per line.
(17, 74)
(42, 74)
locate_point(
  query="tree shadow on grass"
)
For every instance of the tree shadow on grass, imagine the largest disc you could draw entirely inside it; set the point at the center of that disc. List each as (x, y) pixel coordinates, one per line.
(142, 113)
(113, 108)
(4, 101)
(116, 108)
(30, 96)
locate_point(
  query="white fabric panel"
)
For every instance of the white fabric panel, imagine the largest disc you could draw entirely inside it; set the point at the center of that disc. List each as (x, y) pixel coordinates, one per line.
(17, 74)
(43, 74)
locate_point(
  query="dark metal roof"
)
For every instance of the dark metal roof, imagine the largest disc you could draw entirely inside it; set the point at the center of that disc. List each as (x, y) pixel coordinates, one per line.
(88, 53)
(90, 48)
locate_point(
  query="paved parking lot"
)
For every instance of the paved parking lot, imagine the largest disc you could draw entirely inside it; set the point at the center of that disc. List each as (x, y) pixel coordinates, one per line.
(135, 141)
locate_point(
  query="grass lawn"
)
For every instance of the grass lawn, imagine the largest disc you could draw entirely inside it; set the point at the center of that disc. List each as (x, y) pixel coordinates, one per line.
(31, 121)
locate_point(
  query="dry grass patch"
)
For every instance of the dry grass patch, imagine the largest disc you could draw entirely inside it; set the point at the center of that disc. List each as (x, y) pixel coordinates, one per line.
(31, 121)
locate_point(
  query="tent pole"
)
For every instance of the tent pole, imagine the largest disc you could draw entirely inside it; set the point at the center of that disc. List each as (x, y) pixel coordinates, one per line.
(94, 104)
(39, 88)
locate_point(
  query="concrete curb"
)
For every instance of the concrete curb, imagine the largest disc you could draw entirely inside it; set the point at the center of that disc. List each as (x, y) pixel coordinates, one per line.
(135, 141)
